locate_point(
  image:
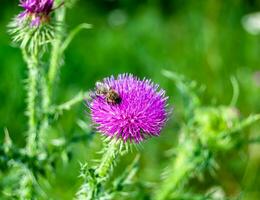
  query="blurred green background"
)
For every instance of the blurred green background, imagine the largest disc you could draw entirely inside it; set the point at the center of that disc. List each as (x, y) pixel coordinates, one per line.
(202, 39)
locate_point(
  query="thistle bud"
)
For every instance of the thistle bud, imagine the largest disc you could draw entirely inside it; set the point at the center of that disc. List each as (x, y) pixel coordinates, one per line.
(33, 28)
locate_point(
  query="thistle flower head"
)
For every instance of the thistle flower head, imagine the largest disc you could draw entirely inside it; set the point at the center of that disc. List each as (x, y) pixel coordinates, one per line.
(128, 108)
(37, 11)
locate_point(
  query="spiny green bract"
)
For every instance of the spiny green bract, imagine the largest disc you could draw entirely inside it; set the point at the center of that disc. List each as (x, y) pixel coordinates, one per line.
(31, 38)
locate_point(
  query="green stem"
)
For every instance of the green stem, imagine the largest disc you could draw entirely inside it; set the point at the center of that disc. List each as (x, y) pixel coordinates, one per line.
(45, 104)
(180, 170)
(33, 74)
(48, 82)
(92, 187)
(56, 47)
(72, 34)
(109, 159)
(67, 105)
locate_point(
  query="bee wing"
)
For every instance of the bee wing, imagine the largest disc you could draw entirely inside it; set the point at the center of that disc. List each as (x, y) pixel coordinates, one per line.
(102, 86)
(99, 84)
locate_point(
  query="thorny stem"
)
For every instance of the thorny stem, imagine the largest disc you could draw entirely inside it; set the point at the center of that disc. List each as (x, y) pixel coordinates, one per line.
(110, 155)
(44, 107)
(108, 159)
(33, 74)
(179, 171)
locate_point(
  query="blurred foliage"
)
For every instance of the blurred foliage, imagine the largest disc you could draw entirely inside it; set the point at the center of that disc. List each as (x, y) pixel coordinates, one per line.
(204, 40)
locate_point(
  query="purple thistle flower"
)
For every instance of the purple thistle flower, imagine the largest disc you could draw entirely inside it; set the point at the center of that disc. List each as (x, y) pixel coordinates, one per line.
(36, 10)
(129, 108)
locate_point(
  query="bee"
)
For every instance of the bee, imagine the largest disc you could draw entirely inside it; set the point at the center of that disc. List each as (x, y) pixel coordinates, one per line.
(110, 94)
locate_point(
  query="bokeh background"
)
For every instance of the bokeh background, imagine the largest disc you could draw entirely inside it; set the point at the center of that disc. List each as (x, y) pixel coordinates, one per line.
(202, 39)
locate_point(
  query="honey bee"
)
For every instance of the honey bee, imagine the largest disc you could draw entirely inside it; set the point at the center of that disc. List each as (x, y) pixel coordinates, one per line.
(110, 94)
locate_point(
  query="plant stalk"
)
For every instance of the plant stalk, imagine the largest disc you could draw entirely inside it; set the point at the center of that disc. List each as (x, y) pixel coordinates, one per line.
(109, 159)
(48, 82)
(33, 73)
(56, 53)
(94, 181)
(179, 171)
